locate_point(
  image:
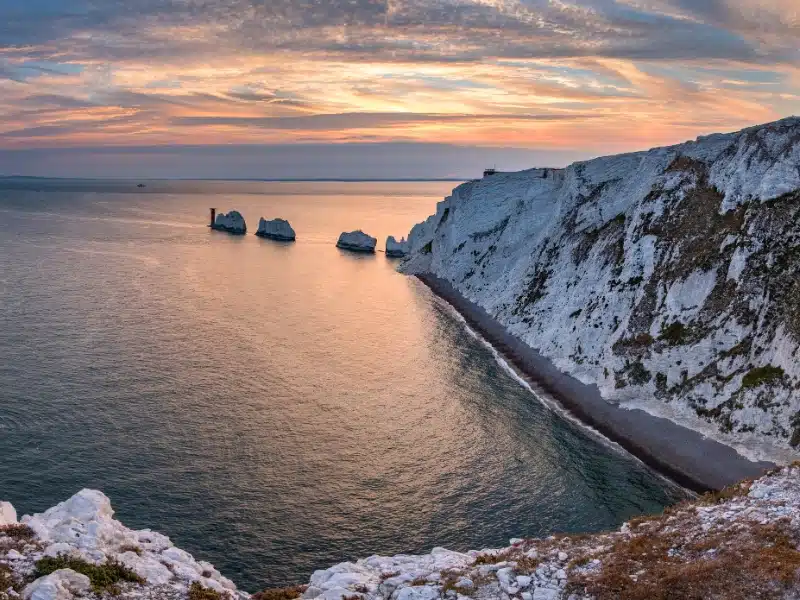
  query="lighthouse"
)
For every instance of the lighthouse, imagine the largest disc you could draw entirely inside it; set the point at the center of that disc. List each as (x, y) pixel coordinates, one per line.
(213, 215)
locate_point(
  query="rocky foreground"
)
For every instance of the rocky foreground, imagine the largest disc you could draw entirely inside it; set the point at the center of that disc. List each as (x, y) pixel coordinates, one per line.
(742, 543)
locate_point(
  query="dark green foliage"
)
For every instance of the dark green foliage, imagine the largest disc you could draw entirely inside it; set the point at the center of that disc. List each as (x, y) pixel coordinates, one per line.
(427, 248)
(674, 334)
(198, 592)
(638, 375)
(287, 593)
(661, 382)
(762, 376)
(103, 577)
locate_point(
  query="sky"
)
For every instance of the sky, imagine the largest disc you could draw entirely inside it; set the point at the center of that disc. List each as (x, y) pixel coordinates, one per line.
(378, 88)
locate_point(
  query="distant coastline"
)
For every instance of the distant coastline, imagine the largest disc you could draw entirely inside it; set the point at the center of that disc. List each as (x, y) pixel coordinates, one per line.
(269, 180)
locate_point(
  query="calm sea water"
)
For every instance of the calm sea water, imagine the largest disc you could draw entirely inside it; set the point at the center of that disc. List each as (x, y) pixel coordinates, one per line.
(273, 408)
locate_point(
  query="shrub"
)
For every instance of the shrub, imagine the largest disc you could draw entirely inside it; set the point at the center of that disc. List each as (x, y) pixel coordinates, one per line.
(103, 577)
(427, 248)
(199, 592)
(638, 375)
(762, 376)
(285, 593)
(18, 532)
(674, 334)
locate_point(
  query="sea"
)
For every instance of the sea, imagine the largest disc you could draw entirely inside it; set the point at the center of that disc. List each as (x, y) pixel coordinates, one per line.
(274, 408)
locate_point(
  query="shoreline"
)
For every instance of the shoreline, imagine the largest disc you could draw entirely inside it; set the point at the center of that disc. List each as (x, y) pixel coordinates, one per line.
(683, 455)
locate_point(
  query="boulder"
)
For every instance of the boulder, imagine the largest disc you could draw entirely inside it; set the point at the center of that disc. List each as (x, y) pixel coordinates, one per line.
(8, 516)
(59, 585)
(357, 241)
(232, 222)
(276, 229)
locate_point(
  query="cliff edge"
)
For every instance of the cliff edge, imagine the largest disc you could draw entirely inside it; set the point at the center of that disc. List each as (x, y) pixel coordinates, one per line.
(741, 543)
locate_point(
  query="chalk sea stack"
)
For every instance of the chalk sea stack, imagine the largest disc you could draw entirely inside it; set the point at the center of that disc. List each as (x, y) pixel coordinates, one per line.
(232, 222)
(276, 229)
(395, 249)
(357, 241)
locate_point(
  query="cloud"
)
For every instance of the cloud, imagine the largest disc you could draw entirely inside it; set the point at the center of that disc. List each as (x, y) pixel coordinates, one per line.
(346, 121)
(407, 30)
(599, 75)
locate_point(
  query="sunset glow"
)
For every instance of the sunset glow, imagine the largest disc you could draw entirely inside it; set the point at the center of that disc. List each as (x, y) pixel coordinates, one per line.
(596, 76)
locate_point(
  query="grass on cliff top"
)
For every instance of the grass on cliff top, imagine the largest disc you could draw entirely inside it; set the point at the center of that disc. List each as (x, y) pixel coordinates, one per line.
(17, 532)
(672, 556)
(104, 577)
(286, 593)
(197, 591)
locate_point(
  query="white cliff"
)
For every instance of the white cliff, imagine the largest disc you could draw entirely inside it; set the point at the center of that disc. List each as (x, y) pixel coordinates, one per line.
(276, 229)
(232, 222)
(357, 241)
(396, 249)
(669, 278)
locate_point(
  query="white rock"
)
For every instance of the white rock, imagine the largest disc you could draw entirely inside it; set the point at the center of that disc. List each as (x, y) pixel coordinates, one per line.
(8, 515)
(14, 555)
(563, 556)
(561, 574)
(545, 594)
(504, 576)
(357, 241)
(426, 592)
(527, 596)
(148, 567)
(276, 229)
(524, 581)
(54, 550)
(465, 582)
(59, 585)
(232, 222)
(396, 249)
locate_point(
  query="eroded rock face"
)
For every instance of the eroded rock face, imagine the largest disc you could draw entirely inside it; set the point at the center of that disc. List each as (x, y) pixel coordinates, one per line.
(396, 249)
(276, 229)
(232, 222)
(357, 241)
(669, 278)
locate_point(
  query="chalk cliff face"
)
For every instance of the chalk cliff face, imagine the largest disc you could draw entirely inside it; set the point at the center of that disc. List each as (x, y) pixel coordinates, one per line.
(669, 277)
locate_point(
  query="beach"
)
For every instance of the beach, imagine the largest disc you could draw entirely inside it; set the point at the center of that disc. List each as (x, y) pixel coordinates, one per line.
(681, 454)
